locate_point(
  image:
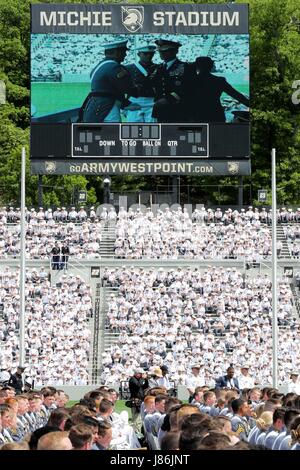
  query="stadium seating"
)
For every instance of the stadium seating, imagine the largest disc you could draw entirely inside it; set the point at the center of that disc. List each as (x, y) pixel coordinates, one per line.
(57, 337)
(171, 316)
(203, 234)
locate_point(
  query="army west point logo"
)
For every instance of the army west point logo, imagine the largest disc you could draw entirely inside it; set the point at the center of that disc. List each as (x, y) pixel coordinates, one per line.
(233, 167)
(50, 167)
(133, 18)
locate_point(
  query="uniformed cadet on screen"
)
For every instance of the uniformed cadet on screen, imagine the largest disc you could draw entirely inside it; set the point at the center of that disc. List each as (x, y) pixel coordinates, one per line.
(170, 82)
(140, 72)
(110, 82)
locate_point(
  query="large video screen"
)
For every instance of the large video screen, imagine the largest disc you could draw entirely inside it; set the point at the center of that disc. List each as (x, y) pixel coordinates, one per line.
(123, 82)
(210, 75)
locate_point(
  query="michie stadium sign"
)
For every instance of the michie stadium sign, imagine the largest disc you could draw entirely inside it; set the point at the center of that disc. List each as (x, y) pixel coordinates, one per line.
(140, 89)
(159, 18)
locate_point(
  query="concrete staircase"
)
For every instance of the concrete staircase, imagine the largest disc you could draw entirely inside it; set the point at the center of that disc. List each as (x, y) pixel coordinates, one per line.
(296, 306)
(108, 238)
(109, 337)
(285, 252)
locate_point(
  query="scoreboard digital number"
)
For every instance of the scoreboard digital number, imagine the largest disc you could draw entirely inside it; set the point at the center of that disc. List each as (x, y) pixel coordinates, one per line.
(140, 140)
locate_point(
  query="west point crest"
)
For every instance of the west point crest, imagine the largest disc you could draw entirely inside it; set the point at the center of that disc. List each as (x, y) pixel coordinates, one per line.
(50, 167)
(133, 18)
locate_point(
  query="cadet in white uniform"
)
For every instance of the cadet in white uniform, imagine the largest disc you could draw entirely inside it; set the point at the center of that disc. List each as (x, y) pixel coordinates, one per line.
(139, 72)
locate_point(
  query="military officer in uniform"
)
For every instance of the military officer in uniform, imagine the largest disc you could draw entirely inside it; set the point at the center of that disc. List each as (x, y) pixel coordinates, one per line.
(241, 421)
(171, 87)
(207, 91)
(110, 82)
(140, 72)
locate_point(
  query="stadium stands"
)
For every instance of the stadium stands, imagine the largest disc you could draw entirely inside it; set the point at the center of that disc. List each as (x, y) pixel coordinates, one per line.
(57, 337)
(85, 51)
(172, 316)
(179, 318)
(173, 235)
(204, 234)
(162, 235)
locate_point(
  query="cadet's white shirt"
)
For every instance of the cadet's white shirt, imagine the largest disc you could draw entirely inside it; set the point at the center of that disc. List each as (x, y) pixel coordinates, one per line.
(164, 382)
(194, 381)
(245, 382)
(294, 387)
(4, 376)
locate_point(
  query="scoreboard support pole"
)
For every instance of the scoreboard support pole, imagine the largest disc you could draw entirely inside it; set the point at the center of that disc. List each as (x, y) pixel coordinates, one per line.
(40, 191)
(241, 191)
(175, 189)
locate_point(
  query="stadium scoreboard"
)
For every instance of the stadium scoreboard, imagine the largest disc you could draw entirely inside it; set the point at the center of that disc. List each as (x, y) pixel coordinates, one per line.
(61, 143)
(139, 140)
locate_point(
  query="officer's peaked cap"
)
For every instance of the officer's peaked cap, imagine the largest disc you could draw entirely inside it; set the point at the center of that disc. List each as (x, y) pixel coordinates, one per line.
(204, 60)
(146, 48)
(164, 44)
(115, 45)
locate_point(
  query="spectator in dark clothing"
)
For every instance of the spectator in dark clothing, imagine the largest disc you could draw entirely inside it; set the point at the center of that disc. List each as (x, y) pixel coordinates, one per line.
(16, 380)
(228, 380)
(55, 256)
(65, 251)
(137, 387)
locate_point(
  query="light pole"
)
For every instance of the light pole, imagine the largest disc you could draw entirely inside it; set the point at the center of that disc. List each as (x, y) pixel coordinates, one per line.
(274, 274)
(106, 186)
(22, 262)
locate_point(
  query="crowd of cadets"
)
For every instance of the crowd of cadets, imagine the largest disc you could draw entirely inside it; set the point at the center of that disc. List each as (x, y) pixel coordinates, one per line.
(215, 419)
(162, 315)
(292, 234)
(202, 234)
(12, 215)
(174, 234)
(39, 420)
(170, 316)
(70, 232)
(57, 337)
(223, 418)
